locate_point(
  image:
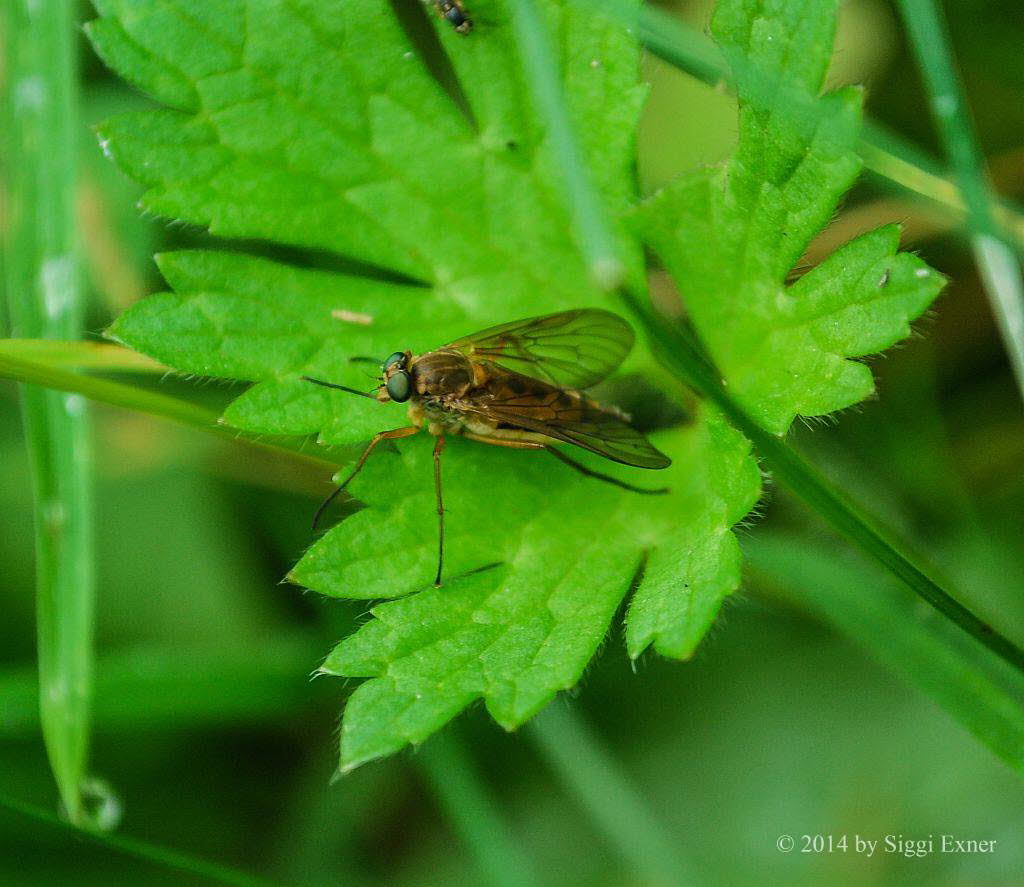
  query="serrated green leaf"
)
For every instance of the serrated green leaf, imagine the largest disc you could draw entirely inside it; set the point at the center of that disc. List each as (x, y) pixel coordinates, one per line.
(731, 236)
(325, 131)
(316, 125)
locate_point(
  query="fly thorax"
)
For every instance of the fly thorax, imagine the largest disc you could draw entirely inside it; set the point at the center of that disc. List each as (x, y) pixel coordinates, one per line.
(442, 374)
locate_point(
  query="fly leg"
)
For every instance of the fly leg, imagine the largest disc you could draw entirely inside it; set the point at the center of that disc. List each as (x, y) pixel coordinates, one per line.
(438, 449)
(508, 442)
(514, 444)
(582, 469)
(377, 438)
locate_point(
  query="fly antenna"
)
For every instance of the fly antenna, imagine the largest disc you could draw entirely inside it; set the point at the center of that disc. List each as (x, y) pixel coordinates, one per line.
(372, 360)
(339, 387)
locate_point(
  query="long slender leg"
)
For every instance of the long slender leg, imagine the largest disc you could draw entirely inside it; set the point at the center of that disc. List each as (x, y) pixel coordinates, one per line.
(582, 469)
(513, 444)
(394, 434)
(504, 442)
(438, 449)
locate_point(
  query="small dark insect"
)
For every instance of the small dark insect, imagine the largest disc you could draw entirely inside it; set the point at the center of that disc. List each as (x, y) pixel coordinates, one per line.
(453, 12)
(516, 385)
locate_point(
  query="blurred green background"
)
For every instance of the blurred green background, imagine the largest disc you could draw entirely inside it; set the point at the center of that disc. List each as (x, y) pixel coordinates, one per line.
(216, 743)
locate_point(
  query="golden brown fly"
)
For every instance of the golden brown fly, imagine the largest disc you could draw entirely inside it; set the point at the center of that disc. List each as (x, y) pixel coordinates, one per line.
(516, 385)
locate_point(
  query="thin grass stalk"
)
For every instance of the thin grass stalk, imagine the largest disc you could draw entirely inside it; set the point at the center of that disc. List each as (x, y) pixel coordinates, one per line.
(595, 237)
(199, 870)
(1000, 270)
(608, 796)
(14, 366)
(473, 813)
(45, 300)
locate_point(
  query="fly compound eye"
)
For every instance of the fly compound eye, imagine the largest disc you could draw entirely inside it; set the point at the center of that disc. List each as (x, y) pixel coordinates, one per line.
(396, 359)
(399, 386)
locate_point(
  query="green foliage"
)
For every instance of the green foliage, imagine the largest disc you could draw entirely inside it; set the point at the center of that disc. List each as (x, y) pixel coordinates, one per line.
(317, 125)
(730, 236)
(43, 297)
(973, 686)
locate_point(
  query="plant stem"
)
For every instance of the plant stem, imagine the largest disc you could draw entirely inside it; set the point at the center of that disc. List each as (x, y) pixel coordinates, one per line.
(44, 298)
(83, 355)
(160, 857)
(577, 756)
(1000, 271)
(13, 366)
(473, 812)
(681, 357)
(545, 81)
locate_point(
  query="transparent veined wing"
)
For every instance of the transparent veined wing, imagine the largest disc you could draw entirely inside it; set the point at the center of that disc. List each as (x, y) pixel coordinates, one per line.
(571, 349)
(516, 401)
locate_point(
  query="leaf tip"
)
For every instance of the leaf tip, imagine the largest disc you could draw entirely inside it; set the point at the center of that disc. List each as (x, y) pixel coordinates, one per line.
(346, 767)
(351, 760)
(635, 648)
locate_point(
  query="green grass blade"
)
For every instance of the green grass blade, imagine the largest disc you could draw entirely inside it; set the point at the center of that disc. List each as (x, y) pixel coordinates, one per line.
(977, 689)
(153, 854)
(83, 355)
(545, 81)
(14, 366)
(472, 812)
(884, 153)
(163, 688)
(1000, 271)
(1001, 276)
(45, 300)
(613, 804)
(680, 357)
